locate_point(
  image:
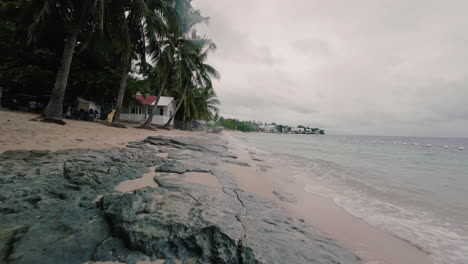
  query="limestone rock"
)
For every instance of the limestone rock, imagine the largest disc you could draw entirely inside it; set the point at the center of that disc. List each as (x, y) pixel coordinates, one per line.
(49, 212)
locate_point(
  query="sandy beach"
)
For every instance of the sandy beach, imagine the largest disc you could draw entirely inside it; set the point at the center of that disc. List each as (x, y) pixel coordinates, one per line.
(371, 244)
(17, 132)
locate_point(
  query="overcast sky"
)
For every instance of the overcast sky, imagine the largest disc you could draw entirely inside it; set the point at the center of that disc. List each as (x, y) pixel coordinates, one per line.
(372, 67)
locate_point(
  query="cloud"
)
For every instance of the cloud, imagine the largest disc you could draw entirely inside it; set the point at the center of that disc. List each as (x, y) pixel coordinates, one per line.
(315, 46)
(374, 67)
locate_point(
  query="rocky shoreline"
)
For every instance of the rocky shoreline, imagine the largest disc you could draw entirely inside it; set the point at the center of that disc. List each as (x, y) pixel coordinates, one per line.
(63, 207)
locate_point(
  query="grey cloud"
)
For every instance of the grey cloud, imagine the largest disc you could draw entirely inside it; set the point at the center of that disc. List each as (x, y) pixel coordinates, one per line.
(315, 46)
(373, 67)
(258, 103)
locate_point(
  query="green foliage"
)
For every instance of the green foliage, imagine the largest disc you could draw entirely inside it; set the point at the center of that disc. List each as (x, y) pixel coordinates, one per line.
(182, 67)
(31, 68)
(136, 85)
(235, 124)
(280, 128)
(22, 67)
(110, 34)
(253, 126)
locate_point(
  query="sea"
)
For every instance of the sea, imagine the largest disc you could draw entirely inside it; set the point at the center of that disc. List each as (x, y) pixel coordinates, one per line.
(413, 187)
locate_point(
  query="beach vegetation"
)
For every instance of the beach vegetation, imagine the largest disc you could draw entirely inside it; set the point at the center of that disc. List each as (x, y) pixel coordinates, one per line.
(186, 74)
(235, 124)
(106, 51)
(76, 18)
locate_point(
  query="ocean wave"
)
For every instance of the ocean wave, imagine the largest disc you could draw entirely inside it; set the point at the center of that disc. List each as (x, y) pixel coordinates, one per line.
(414, 192)
(439, 238)
(445, 242)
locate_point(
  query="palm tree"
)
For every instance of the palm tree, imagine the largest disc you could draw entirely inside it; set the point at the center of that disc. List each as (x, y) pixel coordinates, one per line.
(162, 72)
(195, 72)
(175, 46)
(210, 102)
(179, 103)
(75, 15)
(200, 104)
(135, 27)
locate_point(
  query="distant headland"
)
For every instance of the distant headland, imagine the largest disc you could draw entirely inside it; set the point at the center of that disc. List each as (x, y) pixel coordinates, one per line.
(255, 126)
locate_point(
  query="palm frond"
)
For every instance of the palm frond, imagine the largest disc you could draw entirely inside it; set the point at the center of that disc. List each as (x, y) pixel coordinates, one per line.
(43, 9)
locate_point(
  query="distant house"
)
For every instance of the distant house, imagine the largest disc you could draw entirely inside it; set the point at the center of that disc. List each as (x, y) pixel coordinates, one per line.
(140, 111)
(268, 128)
(297, 130)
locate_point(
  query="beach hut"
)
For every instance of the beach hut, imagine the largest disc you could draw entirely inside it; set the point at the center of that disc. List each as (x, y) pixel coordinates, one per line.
(86, 105)
(140, 110)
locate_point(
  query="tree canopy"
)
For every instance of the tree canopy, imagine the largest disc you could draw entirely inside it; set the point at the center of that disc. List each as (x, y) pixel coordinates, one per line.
(106, 45)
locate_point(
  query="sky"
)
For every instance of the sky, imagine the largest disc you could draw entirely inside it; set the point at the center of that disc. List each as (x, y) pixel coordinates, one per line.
(368, 67)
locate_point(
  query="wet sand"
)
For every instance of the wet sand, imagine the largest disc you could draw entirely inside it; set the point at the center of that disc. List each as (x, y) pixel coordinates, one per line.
(203, 178)
(375, 246)
(145, 181)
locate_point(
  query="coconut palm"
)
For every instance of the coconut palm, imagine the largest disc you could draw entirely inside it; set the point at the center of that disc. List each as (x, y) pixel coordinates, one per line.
(195, 72)
(200, 104)
(209, 103)
(176, 47)
(136, 27)
(75, 15)
(161, 73)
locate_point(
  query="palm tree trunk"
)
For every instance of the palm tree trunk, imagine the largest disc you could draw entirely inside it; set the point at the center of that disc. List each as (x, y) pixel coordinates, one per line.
(54, 109)
(120, 96)
(177, 108)
(168, 123)
(149, 121)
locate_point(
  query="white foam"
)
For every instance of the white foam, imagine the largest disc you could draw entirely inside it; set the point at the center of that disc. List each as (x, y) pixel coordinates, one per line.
(446, 239)
(445, 242)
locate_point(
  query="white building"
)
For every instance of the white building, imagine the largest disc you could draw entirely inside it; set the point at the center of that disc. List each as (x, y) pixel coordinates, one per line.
(269, 128)
(86, 105)
(297, 130)
(139, 112)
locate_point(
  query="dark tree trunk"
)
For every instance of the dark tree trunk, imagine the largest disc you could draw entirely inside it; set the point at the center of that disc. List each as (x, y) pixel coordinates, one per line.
(177, 108)
(54, 109)
(184, 127)
(168, 123)
(149, 121)
(120, 96)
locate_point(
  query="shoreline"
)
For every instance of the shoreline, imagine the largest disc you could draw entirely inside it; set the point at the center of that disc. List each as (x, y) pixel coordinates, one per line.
(249, 174)
(156, 199)
(376, 246)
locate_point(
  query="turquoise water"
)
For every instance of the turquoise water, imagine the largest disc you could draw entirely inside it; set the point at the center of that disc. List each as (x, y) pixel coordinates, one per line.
(416, 188)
